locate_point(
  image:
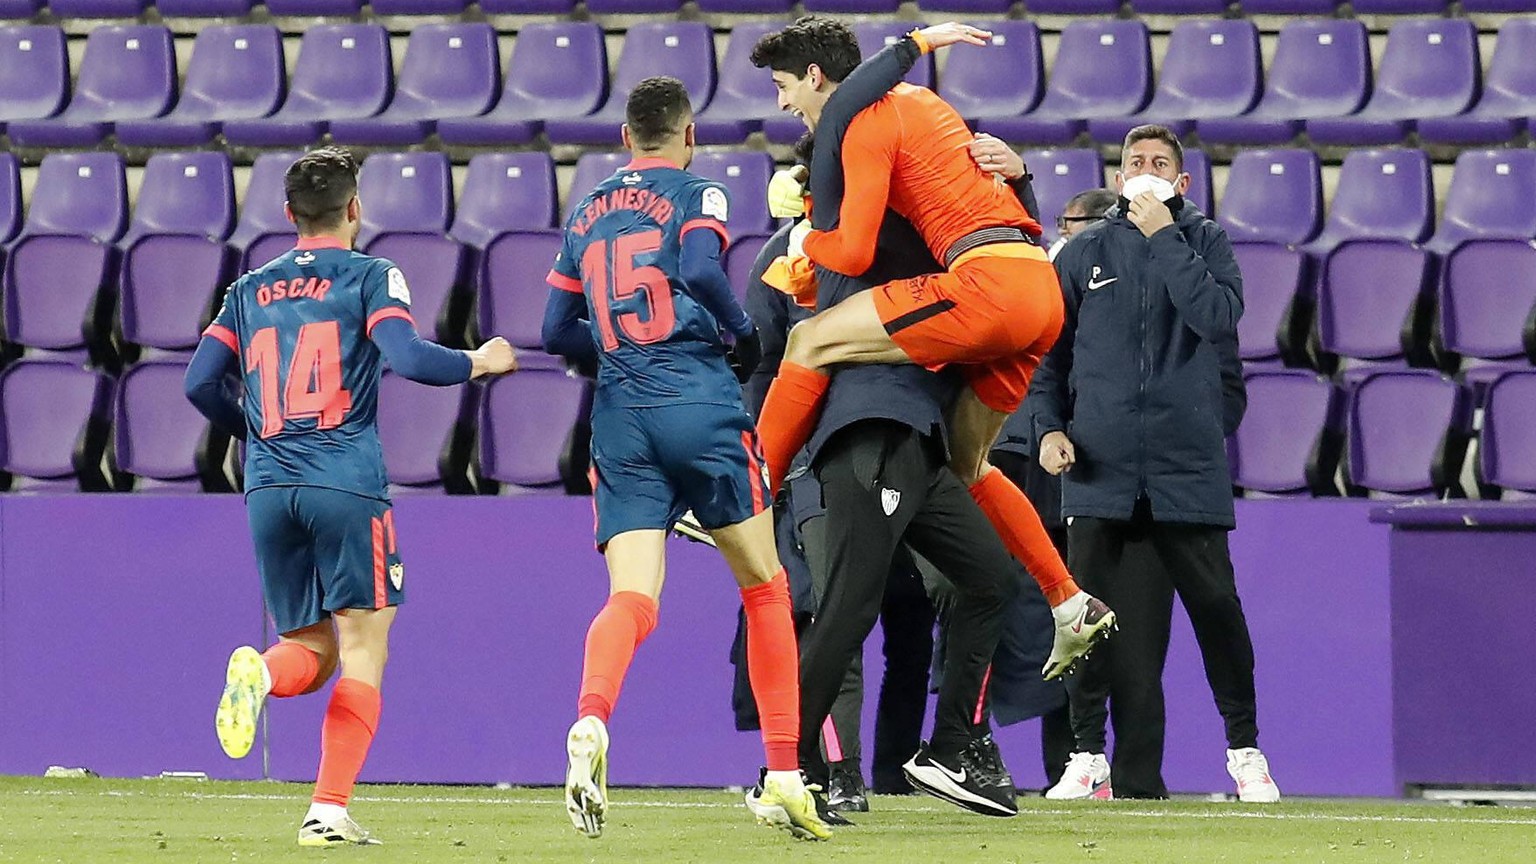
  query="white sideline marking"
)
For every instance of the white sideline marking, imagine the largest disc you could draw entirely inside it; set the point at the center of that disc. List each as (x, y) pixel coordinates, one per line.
(555, 801)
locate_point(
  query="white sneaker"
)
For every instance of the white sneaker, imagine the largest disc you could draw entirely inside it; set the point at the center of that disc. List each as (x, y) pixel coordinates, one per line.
(586, 775)
(1082, 622)
(1251, 771)
(340, 831)
(1087, 776)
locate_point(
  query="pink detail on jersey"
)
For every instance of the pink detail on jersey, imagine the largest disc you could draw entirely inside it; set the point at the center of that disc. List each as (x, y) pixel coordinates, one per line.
(322, 241)
(388, 312)
(559, 280)
(225, 335)
(713, 225)
(829, 736)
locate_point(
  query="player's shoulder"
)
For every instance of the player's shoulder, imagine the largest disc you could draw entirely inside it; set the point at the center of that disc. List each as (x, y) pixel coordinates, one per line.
(714, 199)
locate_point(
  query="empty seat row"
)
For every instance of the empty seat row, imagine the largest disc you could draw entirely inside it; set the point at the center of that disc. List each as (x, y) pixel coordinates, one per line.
(1320, 81)
(59, 419)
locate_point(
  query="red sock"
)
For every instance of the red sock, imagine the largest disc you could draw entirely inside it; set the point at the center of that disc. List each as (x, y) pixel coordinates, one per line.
(773, 666)
(617, 631)
(350, 721)
(1019, 526)
(292, 667)
(789, 416)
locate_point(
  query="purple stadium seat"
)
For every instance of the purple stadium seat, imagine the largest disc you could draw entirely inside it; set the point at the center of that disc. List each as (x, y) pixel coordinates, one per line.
(1273, 275)
(236, 73)
(1211, 69)
(174, 256)
(1489, 197)
(34, 72)
(682, 49)
(1398, 7)
(1180, 7)
(10, 198)
(156, 431)
(1280, 448)
(417, 7)
(853, 7)
(264, 232)
(1399, 425)
(1369, 291)
(97, 8)
(1508, 447)
(407, 207)
(1498, 5)
(1487, 295)
(1509, 93)
(1430, 69)
(1004, 79)
(1321, 68)
(127, 73)
(505, 192)
(1060, 174)
(1074, 7)
(19, 9)
(416, 424)
(974, 7)
(875, 35)
(327, 8)
(632, 7)
(745, 96)
(591, 169)
(1198, 166)
(53, 273)
(513, 292)
(525, 421)
(342, 73)
(1381, 195)
(450, 70)
(1102, 69)
(745, 7)
(1290, 7)
(1273, 196)
(556, 71)
(204, 8)
(739, 260)
(527, 7)
(49, 409)
(745, 175)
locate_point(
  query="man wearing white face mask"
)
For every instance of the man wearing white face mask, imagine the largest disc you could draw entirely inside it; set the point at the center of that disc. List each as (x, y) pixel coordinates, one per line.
(1133, 403)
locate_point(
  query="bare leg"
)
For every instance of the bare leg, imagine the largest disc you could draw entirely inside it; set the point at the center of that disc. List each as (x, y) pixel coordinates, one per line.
(850, 332)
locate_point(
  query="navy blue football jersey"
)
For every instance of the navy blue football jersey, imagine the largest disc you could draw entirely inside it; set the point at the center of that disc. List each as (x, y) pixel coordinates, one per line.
(622, 250)
(301, 326)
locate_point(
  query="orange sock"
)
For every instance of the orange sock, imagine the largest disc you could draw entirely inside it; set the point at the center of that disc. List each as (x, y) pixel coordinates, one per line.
(617, 631)
(773, 666)
(789, 416)
(1019, 526)
(292, 667)
(350, 721)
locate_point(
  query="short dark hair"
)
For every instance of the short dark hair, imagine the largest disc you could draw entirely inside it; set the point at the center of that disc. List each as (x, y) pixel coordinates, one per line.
(826, 42)
(1153, 132)
(804, 148)
(658, 108)
(319, 185)
(1093, 202)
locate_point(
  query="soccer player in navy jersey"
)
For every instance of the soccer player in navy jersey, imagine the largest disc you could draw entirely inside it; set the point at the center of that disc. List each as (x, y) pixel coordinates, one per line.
(309, 332)
(639, 278)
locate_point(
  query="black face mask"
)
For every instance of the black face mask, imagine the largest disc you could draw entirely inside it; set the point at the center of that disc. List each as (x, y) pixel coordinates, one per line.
(1175, 204)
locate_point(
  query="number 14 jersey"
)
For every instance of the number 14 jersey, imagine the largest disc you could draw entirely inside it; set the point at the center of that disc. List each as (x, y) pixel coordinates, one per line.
(301, 326)
(622, 250)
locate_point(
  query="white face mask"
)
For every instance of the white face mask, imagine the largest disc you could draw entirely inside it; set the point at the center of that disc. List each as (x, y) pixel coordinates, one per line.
(1147, 183)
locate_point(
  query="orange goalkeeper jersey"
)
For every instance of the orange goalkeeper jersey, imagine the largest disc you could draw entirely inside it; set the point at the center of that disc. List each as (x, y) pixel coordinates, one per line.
(910, 152)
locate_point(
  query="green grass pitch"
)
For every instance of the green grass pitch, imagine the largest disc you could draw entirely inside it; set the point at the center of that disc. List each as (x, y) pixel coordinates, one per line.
(173, 821)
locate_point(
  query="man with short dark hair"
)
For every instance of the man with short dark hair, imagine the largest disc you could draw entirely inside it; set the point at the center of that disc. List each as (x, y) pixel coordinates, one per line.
(310, 332)
(1142, 377)
(1083, 209)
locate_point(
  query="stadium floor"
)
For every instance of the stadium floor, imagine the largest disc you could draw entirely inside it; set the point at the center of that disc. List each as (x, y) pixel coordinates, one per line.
(166, 821)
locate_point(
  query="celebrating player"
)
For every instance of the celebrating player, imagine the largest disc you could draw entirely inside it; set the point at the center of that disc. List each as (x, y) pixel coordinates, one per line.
(641, 265)
(995, 310)
(307, 331)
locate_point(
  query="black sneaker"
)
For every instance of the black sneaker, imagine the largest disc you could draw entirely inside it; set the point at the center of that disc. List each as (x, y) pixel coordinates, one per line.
(971, 779)
(990, 767)
(846, 792)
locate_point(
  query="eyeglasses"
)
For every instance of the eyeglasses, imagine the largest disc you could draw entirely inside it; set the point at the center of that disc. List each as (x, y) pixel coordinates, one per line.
(1061, 221)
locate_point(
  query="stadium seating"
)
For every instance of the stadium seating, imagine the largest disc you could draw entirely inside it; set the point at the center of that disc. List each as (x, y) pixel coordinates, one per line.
(1403, 427)
(236, 73)
(10, 198)
(739, 260)
(1508, 93)
(422, 431)
(342, 73)
(1507, 449)
(745, 176)
(1486, 293)
(523, 448)
(557, 71)
(264, 232)
(591, 169)
(1198, 166)
(408, 206)
(127, 73)
(450, 70)
(1005, 80)
(682, 49)
(174, 255)
(1290, 7)
(1211, 69)
(745, 95)
(54, 420)
(1321, 68)
(513, 292)
(1102, 69)
(204, 8)
(1060, 174)
(1288, 441)
(156, 432)
(332, 8)
(34, 72)
(505, 192)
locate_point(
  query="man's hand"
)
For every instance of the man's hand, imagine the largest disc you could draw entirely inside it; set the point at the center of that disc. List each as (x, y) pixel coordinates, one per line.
(786, 192)
(1149, 214)
(797, 237)
(1057, 453)
(952, 33)
(994, 156)
(495, 357)
(744, 355)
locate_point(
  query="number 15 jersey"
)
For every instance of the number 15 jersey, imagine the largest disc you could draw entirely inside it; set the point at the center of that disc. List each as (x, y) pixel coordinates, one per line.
(300, 325)
(622, 250)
